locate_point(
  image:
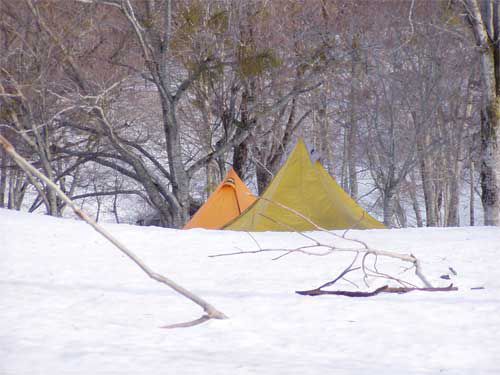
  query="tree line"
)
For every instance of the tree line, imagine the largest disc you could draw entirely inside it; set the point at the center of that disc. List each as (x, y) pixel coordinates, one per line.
(149, 102)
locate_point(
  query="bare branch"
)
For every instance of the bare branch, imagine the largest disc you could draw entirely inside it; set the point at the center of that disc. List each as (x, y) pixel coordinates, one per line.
(383, 289)
(192, 323)
(114, 192)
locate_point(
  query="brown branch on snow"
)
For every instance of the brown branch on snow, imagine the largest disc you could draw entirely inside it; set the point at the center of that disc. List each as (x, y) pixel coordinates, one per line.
(211, 312)
(383, 289)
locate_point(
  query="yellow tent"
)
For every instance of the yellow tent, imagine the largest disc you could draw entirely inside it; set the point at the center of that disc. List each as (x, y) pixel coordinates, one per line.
(307, 188)
(228, 201)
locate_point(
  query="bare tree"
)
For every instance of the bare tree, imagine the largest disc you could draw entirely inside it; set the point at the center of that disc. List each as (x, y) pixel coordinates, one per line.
(168, 94)
(484, 17)
(27, 77)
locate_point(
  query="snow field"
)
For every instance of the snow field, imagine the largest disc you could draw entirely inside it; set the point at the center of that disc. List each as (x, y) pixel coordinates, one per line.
(72, 304)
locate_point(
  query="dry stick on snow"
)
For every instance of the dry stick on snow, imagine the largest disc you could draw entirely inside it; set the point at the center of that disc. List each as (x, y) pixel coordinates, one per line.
(383, 289)
(210, 311)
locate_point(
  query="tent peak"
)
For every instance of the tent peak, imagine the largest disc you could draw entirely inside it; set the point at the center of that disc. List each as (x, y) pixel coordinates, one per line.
(223, 204)
(303, 185)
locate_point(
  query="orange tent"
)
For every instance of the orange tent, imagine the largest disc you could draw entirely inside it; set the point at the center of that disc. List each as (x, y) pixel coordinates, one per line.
(227, 202)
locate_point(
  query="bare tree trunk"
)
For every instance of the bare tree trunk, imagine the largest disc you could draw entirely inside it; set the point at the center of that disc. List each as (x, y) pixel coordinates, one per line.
(388, 211)
(352, 130)
(115, 209)
(351, 160)
(486, 31)
(440, 199)
(17, 188)
(241, 152)
(325, 147)
(453, 218)
(415, 203)
(400, 212)
(180, 179)
(3, 177)
(388, 202)
(11, 201)
(490, 164)
(472, 218)
(427, 183)
(344, 173)
(264, 177)
(240, 158)
(212, 176)
(212, 172)
(98, 212)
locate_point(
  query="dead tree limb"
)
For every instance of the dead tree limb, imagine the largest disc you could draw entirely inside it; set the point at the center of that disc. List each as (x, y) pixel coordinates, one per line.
(383, 289)
(365, 248)
(210, 311)
(365, 259)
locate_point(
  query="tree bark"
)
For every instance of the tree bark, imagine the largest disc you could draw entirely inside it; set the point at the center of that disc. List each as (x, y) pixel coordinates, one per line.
(352, 130)
(388, 207)
(240, 158)
(457, 157)
(3, 176)
(490, 164)
(427, 184)
(486, 31)
(241, 152)
(412, 188)
(325, 145)
(472, 215)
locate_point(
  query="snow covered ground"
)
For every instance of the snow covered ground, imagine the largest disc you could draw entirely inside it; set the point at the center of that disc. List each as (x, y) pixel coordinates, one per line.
(72, 304)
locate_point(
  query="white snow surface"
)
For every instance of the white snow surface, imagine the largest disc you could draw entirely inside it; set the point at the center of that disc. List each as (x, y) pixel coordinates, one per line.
(70, 303)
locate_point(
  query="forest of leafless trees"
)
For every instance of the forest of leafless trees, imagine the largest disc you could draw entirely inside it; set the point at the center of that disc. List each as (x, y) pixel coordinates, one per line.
(137, 108)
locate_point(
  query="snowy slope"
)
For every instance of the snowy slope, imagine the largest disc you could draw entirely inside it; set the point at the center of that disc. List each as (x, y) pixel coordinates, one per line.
(72, 304)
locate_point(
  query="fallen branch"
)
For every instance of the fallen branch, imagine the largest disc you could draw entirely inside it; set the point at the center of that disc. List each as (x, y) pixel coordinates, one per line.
(211, 312)
(367, 265)
(319, 292)
(383, 289)
(192, 323)
(365, 248)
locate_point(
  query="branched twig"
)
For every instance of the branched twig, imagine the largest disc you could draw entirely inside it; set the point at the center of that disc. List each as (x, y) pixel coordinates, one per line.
(365, 248)
(211, 312)
(301, 249)
(341, 276)
(289, 227)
